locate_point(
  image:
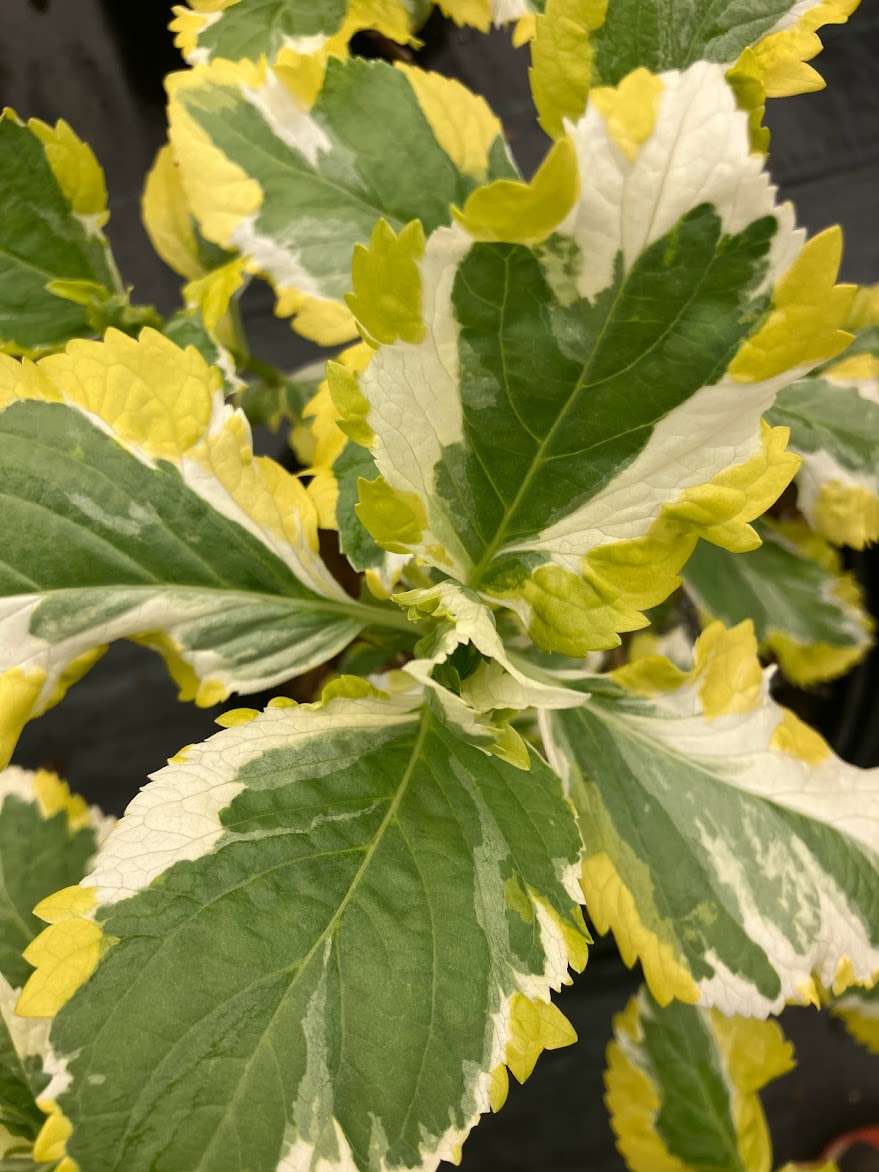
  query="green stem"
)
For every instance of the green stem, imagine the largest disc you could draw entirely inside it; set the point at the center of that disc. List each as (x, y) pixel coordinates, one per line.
(234, 323)
(269, 374)
(379, 617)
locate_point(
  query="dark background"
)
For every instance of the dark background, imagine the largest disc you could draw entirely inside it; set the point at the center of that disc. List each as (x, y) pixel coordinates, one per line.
(99, 65)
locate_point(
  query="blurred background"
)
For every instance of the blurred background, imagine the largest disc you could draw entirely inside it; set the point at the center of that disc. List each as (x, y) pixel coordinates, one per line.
(99, 64)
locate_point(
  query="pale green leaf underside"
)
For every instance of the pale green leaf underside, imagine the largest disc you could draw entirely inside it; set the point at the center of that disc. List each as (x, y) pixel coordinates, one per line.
(332, 968)
(681, 1086)
(41, 241)
(806, 612)
(750, 867)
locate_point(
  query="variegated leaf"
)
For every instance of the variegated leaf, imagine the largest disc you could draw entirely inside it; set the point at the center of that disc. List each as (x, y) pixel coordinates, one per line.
(483, 14)
(252, 29)
(47, 839)
(214, 275)
(859, 1009)
(834, 425)
(56, 271)
(806, 610)
(293, 188)
(570, 383)
(726, 846)
(682, 1087)
(136, 509)
(344, 923)
(170, 224)
(333, 468)
(23, 1078)
(583, 45)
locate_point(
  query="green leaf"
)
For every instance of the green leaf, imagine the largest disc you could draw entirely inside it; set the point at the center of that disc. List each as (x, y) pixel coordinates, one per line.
(583, 44)
(294, 189)
(136, 509)
(253, 29)
(342, 920)
(805, 609)
(582, 397)
(834, 426)
(47, 839)
(726, 846)
(54, 258)
(682, 1087)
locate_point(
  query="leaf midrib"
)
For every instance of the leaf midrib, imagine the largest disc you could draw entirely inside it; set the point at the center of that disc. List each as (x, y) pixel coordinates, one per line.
(722, 1121)
(333, 923)
(361, 611)
(539, 456)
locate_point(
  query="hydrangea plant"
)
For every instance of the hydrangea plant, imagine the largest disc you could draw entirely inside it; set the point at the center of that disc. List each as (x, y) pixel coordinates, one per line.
(551, 441)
